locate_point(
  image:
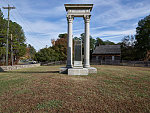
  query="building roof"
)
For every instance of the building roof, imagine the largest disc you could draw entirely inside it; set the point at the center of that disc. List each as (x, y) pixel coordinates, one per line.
(107, 49)
(78, 6)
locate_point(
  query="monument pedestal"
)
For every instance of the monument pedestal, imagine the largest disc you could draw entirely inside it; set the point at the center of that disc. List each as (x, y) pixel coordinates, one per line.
(78, 71)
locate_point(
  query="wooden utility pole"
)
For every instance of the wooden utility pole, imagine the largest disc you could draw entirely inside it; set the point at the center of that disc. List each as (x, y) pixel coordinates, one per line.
(8, 8)
(12, 60)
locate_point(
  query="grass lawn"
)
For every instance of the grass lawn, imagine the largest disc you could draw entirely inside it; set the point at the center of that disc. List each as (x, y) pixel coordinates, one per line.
(114, 89)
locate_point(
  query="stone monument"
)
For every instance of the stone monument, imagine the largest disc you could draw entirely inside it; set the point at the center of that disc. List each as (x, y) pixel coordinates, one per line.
(78, 10)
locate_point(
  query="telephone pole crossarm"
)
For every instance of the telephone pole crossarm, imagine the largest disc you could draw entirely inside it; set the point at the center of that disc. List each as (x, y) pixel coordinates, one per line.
(9, 7)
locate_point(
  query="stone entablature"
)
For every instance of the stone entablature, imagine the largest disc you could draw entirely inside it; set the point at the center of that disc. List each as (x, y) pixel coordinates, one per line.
(78, 6)
(78, 10)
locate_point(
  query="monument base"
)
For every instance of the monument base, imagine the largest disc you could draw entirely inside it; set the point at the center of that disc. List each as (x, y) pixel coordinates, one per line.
(92, 70)
(77, 71)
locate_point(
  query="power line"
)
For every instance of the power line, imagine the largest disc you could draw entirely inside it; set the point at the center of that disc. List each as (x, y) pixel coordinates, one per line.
(29, 31)
(6, 1)
(28, 36)
(24, 23)
(27, 26)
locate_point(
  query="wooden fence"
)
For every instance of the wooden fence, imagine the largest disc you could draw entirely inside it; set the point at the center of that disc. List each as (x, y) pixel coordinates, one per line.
(53, 63)
(122, 63)
(108, 62)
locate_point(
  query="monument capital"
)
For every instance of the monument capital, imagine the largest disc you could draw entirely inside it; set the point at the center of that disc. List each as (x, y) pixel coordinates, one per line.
(70, 18)
(87, 18)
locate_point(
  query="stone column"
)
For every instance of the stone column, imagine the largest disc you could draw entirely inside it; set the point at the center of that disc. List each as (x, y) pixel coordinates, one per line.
(87, 42)
(69, 42)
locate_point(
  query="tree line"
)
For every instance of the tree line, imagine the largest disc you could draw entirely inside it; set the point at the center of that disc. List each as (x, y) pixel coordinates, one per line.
(134, 47)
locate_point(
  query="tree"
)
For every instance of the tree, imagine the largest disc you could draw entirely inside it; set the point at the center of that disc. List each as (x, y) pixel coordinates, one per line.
(46, 55)
(92, 41)
(57, 52)
(143, 37)
(19, 46)
(127, 48)
(107, 42)
(99, 41)
(2, 37)
(65, 35)
(30, 52)
(147, 56)
(76, 38)
(60, 46)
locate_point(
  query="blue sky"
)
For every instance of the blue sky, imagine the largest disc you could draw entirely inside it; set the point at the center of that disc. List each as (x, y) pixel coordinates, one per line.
(43, 20)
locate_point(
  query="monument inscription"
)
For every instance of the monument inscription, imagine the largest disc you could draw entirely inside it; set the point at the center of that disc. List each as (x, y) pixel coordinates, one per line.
(78, 50)
(78, 54)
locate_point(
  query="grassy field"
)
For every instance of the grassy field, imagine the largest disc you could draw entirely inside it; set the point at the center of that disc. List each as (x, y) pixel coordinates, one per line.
(114, 89)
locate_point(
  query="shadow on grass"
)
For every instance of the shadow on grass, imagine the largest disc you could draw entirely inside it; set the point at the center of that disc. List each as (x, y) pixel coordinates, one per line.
(1, 70)
(33, 71)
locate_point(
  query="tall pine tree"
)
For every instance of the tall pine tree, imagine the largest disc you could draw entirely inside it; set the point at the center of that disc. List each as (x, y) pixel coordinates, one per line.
(19, 46)
(143, 37)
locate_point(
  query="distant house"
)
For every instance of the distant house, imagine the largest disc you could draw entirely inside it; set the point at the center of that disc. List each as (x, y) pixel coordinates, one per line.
(107, 54)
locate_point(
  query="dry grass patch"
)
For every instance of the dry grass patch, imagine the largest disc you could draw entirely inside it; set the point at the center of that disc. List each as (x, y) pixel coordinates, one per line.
(43, 89)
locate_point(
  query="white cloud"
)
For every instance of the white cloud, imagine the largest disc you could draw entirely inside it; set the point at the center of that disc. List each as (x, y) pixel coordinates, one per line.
(111, 19)
(113, 32)
(117, 12)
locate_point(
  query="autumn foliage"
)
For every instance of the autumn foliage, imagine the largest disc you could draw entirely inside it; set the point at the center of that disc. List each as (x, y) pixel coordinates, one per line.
(57, 52)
